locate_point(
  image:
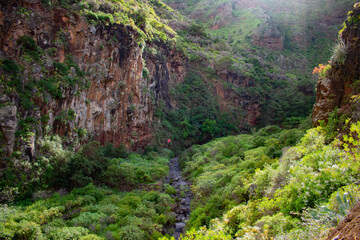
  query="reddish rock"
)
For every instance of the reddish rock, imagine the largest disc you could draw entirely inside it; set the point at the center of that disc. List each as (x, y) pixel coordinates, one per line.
(117, 107)
(269, 36)
(247, 107)
(337, 89)
(349, 228)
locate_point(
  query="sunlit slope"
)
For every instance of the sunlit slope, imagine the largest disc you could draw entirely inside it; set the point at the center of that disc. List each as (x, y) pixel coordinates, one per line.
(272, 184)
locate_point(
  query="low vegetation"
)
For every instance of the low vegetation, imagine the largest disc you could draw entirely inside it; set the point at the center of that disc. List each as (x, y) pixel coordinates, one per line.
(259, 187)
(113, 194)
(148, 18)
(89, 213)
(57, 167)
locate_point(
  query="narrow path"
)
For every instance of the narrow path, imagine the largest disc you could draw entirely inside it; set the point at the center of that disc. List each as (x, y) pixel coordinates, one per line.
(183, 196)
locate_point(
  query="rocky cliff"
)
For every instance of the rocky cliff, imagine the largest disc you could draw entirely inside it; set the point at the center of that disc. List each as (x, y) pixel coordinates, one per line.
(62, 74)
(338, 86)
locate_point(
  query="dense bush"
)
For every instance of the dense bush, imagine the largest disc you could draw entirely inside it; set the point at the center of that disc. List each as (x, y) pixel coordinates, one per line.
(222, 171)
(89, 213)
(256, 196)
(56, 167)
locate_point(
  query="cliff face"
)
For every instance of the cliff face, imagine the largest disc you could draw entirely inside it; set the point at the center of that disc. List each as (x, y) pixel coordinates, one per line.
(247, 107)
(339, 87)
(79, 78)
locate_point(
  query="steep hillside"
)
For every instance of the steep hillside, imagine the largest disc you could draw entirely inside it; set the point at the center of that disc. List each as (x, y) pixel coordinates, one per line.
(263, 52)
(117, 72)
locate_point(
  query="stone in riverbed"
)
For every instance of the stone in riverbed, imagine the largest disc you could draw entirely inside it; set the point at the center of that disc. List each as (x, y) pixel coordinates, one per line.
(179, 227)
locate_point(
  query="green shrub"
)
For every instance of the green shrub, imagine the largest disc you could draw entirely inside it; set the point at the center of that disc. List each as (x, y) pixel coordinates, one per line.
(10, 66)
(67, 233)
(115, 152)
(29, 230)
(131, 233)
(170, 190)
(275, 224)
(87, 165)
(51, 149)
(86, 219)
(119, 173)
(342, 200)
(28, 45)
(91, 237)
(339, 53)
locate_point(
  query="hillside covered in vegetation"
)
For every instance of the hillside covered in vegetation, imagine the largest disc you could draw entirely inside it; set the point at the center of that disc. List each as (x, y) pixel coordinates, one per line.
(134, 119)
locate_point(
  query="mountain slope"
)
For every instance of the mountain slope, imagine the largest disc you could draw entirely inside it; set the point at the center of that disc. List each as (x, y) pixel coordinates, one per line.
(263, 52)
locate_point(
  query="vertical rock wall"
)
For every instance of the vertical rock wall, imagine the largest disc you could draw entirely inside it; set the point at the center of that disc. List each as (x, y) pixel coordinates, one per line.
(118, 101)
(340, 87)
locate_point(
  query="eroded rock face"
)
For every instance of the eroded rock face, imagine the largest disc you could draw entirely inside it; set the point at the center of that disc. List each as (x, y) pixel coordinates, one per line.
(269, 37)
(247, 107)
(340, 88)
(8, 121)
(117, 104)
(349, 228)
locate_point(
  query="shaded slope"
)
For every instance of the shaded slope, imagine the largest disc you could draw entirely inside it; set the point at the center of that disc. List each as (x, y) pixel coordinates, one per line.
(262, 52)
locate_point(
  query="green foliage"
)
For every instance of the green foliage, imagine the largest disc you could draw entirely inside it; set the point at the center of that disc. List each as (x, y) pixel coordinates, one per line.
(110, 151)
(197, 30)
(89, 213)
(143, 17)
(52, 82)
(87, 165)
(222, 171)
(170, 190)
(134, 170)
(314, 224)
(10, 66)
(256, 196)
(58, 158)
(330, 128)
(28, 46)
(131, 233)
(65, 233)
(66, 116)
(340, 51)
(197, 117)
(344, 199)
(226, 63)
(57, 167)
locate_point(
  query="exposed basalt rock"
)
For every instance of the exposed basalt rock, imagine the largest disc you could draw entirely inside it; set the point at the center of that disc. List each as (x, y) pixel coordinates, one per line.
(8, 122)
(166, 69)
(117, 105)
(247, 107)
(349, 228)
(270, 40)
(340, 87)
